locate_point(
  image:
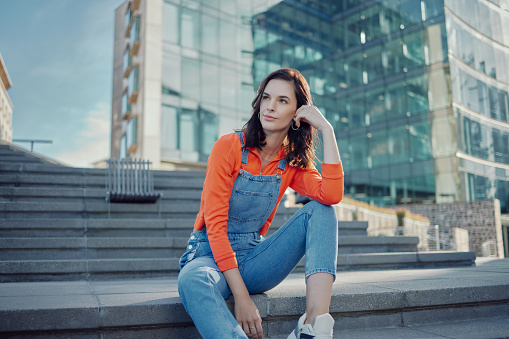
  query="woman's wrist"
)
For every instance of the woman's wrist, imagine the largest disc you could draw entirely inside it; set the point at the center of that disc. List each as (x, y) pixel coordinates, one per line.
(327, 131)
(236, 284)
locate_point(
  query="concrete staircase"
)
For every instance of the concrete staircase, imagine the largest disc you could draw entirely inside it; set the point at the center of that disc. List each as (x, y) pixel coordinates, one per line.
(54, 225)
(67, 269)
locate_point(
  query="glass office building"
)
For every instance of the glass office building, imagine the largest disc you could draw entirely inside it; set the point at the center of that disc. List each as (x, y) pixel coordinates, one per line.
(416, 90)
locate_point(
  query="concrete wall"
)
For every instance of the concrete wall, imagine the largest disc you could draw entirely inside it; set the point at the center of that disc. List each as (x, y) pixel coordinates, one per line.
(480, 218)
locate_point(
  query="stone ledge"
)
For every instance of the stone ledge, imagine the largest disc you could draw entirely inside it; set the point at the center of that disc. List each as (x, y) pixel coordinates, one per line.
(360, 300)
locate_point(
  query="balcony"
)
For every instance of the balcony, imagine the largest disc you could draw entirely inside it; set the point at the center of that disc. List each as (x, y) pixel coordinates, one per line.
(132, 135)
(134, 36)
(126, 107)
(132, 87)
(135, 5)
(127, 64)
(128, 19)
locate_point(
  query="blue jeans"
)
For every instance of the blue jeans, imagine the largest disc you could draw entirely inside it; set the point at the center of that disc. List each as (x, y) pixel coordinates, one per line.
(263, 264)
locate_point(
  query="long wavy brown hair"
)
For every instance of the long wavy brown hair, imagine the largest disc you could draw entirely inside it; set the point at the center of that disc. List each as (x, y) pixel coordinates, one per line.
(298, 145)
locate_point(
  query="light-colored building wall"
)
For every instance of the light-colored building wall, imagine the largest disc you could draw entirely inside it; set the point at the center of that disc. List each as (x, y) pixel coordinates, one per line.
(117, 123)
(5, 104)
(144, 118)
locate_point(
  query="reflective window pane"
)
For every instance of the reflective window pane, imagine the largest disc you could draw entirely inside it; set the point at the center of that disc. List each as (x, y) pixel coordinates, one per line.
(170, 23)
(190, 28)
(210, 29)
(169, 127)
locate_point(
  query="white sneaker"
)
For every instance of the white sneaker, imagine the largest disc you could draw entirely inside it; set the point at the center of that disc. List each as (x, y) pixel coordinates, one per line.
(322, 329)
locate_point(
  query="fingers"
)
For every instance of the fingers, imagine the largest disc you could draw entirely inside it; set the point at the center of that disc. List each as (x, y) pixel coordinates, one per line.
(247, 330)
(253, 330)
(307, 113)
(259, 329)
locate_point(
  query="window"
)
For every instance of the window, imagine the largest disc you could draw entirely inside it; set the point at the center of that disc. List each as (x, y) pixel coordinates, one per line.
(134, 35)
(373, 64)
(417, 94)
(379, 148)
(171, 25)
(127, 60)
(132, 89)
(420, 142)
(393, 57)
(191, 78)
(501, 146)
(413, 51)
(123, 147)
(358, 149)
(210, 32)
(126, 107)
(227, 46)
(128, 18)
(410, 12)
(476, 139)
(169, 128)
(132, 135)
(190, 28)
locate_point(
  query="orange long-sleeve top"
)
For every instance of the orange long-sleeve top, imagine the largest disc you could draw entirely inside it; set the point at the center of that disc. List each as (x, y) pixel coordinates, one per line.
(224, 163)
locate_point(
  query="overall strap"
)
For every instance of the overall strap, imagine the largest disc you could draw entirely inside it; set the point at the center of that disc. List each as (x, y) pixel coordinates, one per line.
(282, 164)
(245, 151)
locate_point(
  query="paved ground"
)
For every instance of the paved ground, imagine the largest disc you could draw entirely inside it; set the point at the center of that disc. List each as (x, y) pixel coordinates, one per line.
(487, 273)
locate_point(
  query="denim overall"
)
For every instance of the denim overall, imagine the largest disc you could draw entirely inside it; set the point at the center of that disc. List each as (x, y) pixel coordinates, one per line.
(263, 264)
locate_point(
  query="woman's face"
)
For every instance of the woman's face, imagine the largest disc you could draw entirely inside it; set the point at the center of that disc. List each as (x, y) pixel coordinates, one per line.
(278, 106)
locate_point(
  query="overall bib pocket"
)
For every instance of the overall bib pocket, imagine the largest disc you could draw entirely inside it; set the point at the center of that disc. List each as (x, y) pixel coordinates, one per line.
(249, 206)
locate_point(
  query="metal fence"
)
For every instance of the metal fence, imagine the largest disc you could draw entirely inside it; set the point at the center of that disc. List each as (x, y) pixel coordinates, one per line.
(130, 181)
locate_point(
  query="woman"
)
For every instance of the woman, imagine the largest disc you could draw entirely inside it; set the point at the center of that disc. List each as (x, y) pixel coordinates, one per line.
(247, 175)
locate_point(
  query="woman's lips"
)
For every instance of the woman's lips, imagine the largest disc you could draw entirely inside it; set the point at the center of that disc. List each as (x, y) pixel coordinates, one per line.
(269, 118)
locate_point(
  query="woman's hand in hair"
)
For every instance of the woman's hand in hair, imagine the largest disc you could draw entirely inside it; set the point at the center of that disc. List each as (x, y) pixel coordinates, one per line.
(313, 117)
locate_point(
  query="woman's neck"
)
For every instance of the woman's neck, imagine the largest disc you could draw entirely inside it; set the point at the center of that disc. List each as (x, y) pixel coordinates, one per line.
(274, 141)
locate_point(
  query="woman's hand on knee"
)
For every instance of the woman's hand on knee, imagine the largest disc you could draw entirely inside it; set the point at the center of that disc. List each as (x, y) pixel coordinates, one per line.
(248, 317)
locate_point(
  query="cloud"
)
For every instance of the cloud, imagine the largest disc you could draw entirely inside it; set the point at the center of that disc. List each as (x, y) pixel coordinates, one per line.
(94, 139)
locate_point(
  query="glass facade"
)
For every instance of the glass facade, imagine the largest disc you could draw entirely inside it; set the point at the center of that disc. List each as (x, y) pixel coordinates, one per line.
(368, 64)
(479, 58)
(417, 91)
(207, 85)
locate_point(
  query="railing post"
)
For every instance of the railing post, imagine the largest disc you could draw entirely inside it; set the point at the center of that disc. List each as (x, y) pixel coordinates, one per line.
(437, 237)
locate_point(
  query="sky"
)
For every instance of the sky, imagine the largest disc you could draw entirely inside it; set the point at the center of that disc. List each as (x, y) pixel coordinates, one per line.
(59, 56)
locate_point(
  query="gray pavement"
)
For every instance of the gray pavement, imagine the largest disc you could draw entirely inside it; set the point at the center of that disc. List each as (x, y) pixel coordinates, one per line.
(413, 303)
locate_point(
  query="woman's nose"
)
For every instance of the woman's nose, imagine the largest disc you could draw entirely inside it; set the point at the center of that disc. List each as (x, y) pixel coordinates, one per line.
(271, 105)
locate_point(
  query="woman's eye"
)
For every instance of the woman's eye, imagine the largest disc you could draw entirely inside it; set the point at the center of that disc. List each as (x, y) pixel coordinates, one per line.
(265, 97)
(283, 101)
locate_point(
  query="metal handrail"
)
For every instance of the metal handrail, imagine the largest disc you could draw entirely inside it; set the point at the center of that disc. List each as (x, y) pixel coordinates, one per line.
(32, 142)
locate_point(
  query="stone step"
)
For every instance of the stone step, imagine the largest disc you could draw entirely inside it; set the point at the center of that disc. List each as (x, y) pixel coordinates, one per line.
(120, 268)
(50, 248)
(62, 270)
(354, 227)
(19, 158)
(13, 210)
(90, 248)
(375, 304)
(51, 180)
(68, 227)
(365, 244)
(6, 154)
(53, 169)
(48, 209)
(404, 260)
(63, 194)
(76, 227)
